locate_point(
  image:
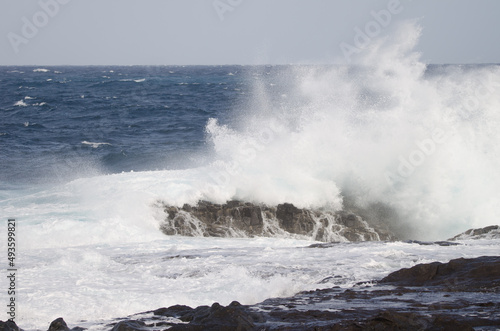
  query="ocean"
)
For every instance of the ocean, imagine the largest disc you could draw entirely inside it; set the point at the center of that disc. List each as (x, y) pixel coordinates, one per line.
(89, 154)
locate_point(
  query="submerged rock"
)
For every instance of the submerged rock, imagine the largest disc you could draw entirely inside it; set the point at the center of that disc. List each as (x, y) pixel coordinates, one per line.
(239, 219)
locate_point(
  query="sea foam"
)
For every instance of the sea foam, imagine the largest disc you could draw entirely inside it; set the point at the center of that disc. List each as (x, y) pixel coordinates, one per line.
(388, 130)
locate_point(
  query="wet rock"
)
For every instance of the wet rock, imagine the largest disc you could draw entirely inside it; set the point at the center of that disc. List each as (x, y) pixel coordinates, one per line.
(129, 325)
(60, 325)
(393, 320)
(9, 326)
(458, 274)
(489, 232)
(216, 317)
(239, 219)
(430, 243)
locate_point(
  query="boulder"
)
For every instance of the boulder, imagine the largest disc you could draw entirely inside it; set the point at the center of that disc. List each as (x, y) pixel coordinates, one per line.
(60, 325)
(129, 325)
(216, 317)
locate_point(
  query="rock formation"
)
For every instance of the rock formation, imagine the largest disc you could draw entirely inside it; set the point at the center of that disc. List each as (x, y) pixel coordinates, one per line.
(238, 219)
(458, 274)
(489, 232)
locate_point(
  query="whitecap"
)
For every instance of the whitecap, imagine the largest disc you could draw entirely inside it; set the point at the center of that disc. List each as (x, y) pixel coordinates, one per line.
(20, 103)
(139, 80)
(41, 70)
(28, 98)
(93, 144)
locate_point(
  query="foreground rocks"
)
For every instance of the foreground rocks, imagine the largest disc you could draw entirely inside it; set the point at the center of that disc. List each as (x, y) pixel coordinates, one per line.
(463, 294)
(466, 275)
(238, 219)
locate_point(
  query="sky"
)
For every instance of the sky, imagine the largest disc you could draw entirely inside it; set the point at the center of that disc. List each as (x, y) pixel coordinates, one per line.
(218, 32)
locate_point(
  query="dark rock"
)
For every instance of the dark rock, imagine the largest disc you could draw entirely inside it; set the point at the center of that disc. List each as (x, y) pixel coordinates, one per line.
(489, 232)
(233, 317)
(239, 219)
(60, 325)
(9, 326)
(463, 274)
(173, 311)
(393, 320)
(129, 325)
(429, 243)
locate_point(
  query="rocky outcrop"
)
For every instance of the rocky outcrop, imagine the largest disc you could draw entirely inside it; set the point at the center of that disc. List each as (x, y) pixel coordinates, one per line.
(9, 326)
(489, 232)
(60, 325)
(239, 219)
(458, 274)
(233, 317)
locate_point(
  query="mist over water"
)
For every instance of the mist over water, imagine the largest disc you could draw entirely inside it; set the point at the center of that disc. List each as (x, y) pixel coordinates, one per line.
(419, 140)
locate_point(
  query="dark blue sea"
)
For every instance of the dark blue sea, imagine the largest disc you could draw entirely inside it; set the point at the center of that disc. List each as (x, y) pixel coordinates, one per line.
(56, 121)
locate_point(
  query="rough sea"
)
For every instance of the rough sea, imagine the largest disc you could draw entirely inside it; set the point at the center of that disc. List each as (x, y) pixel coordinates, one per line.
(86, 154)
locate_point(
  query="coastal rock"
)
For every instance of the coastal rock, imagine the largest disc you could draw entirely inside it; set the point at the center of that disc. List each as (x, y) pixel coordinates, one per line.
(60, 325)
(9, 326)
(239, 219)
(233, 317)
(459, 274)
(129, 325)
(489, 232)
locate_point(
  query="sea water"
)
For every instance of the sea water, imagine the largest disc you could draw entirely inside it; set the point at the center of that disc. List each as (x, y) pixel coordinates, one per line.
(88, 155)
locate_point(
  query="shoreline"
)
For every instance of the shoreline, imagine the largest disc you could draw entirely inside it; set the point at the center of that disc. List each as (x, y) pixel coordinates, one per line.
(462, 294)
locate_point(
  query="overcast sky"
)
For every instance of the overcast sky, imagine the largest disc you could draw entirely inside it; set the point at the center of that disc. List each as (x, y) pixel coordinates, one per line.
(178, 32)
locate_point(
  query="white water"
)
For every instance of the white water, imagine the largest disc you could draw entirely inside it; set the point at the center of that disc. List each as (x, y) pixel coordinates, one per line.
(91, 248)
(99, 282)
(425, 144)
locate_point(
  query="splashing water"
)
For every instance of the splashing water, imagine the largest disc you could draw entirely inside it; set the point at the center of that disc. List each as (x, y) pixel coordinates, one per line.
(419, 139)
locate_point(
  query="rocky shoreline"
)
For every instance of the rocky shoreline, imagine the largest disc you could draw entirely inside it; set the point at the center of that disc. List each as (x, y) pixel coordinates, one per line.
(462, 294)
